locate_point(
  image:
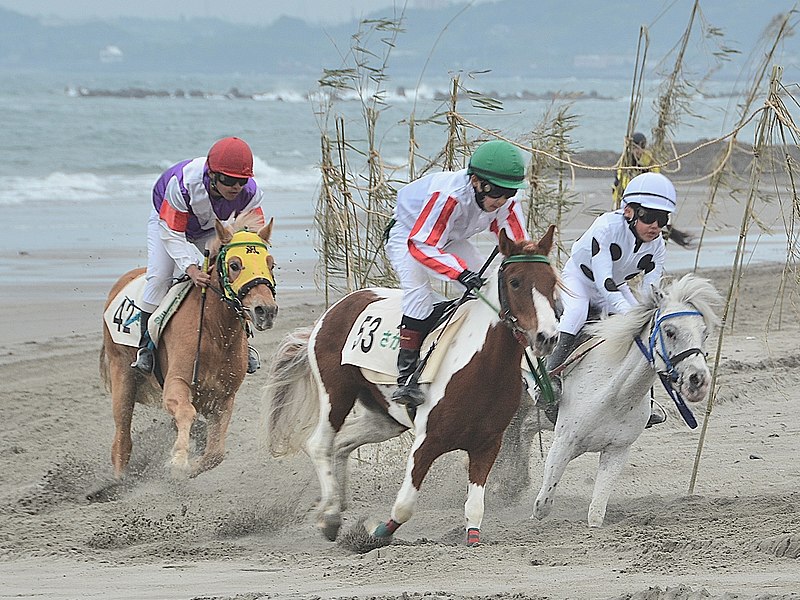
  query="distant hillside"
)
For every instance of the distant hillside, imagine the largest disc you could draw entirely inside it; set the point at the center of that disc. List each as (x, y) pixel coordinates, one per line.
(510, 38)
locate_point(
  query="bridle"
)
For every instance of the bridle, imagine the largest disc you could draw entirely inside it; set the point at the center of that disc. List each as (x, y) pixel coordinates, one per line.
(227, 294)
(669, 375)
(506, 316)
(657, 346)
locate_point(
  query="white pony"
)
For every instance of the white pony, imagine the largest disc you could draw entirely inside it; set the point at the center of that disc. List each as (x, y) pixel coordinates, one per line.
(605, 404)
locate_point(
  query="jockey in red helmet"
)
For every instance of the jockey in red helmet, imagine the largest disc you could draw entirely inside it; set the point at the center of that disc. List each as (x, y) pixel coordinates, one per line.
(187, 199)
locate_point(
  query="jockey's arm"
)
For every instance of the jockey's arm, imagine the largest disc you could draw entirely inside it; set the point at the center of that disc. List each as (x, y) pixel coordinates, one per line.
(431, 232)
(181, 250)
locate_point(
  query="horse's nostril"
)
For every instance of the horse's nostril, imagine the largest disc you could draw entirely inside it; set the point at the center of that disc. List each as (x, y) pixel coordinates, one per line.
(696, 380)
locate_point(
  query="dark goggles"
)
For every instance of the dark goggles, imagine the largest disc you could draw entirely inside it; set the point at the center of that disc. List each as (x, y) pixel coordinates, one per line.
(495, 191)
(231, 181)
(650, 216)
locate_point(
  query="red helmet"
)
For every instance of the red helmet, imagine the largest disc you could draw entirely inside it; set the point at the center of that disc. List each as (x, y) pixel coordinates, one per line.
(231, 156)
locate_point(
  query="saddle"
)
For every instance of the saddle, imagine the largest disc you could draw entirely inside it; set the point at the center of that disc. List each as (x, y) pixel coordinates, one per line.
(374, 340)
(122, 315)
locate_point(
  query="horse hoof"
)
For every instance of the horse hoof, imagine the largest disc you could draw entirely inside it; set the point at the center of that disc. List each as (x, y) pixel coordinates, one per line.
(541, 509)
(329, 526)
(359, 539)
(104, 492)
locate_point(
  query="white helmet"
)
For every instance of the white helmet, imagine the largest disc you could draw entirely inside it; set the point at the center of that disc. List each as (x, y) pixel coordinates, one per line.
(651, 190)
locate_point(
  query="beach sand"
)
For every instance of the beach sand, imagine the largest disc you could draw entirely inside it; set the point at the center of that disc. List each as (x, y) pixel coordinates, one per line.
(245, 530)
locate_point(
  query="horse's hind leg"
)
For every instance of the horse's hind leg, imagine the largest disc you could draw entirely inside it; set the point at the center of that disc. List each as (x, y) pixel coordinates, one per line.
(511, 472)
(123, 396)
(609, 468)
(361, 427)
(320, 449)
(178, 403)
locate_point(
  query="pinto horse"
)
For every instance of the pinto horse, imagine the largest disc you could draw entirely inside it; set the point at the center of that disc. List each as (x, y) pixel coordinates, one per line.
(242, 291)
(315, 402)
(605, 403)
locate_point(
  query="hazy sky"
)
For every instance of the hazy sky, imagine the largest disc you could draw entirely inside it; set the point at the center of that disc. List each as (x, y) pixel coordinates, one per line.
(242, 11)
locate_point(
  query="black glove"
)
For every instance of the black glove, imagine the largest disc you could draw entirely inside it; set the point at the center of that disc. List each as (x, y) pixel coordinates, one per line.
(471, 280)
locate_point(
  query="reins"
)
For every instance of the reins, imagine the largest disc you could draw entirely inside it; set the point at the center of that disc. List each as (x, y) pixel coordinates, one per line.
(669, 375)
(539, 372)
(196, 370)
(227, 294)
(449, 312)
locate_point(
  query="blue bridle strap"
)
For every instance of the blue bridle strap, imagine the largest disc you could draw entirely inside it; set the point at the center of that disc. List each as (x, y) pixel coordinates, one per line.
(670, 375)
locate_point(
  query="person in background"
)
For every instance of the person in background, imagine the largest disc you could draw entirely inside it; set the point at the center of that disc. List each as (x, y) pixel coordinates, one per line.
(617, 247)
(187, 199)
(434, 219)
(638, 159)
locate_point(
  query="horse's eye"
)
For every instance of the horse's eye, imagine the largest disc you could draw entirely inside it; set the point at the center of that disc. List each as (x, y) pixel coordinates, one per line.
(235, 267)
(514, 283)
(670, 331)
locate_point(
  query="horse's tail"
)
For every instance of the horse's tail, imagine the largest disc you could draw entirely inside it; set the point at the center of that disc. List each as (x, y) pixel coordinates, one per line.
(291, 398)
(104, 374)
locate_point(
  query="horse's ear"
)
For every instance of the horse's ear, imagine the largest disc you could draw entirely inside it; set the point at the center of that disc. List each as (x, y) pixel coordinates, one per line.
(505, 244)
(223, 233)
(546, 243)
(265, 233)
(657, 294)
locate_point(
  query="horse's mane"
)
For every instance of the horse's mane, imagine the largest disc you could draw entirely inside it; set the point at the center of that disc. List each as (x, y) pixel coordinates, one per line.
(251, 220)
(619, 330)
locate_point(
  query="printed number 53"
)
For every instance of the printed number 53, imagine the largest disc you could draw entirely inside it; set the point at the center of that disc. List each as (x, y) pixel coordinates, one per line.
(366, 333)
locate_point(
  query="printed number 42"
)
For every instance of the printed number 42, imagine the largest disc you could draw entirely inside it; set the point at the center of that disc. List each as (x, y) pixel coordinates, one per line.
(123, 314)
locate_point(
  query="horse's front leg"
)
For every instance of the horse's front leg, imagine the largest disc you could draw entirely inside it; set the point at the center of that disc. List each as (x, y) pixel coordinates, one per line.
(559, 456)
(611, 463)
(420, 459)
(480, 463)
(178, 403)
(218, 422)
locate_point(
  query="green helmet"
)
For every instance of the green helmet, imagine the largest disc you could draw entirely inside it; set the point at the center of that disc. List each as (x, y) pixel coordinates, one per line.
(500, 163)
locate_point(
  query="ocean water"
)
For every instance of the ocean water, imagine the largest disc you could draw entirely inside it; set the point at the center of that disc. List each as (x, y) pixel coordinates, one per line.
(78, 170)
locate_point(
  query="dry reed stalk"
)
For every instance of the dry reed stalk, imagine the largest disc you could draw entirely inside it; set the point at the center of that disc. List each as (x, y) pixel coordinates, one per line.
(775, 117)
(777, 31)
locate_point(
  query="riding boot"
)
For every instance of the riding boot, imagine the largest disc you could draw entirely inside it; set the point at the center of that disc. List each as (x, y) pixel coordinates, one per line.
(253, 360)
(409, 394)
(145, 357)
(564, 347)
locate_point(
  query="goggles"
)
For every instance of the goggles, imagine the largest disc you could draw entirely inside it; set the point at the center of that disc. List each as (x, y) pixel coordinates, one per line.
(496, 191)
(650, 216)
(231, 181)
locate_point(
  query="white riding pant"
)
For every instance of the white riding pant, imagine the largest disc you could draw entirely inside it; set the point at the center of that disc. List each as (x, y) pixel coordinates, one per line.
(161, 269)
(415, 279)
(579, 295)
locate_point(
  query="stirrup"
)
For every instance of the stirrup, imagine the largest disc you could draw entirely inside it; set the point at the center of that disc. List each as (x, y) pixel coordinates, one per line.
(144, 362)
(409, 395)
(657, 415)
(253, 360)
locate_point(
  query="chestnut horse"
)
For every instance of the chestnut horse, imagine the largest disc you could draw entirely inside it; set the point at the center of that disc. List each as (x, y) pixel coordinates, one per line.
(314, 402)
(221, 350)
